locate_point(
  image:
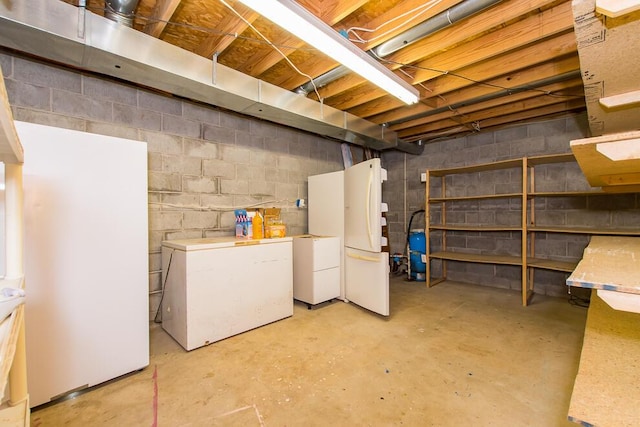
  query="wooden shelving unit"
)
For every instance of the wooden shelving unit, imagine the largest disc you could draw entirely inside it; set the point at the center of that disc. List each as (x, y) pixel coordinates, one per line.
(15, 411)
(527, 258)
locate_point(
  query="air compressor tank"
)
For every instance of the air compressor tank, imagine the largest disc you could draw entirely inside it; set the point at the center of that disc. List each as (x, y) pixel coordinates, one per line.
(417, 248)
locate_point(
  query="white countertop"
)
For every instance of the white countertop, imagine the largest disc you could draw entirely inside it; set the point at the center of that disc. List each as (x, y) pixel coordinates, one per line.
(218, 242)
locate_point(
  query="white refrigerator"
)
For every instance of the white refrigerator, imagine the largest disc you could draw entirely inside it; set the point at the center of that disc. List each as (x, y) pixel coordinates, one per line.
(86, 259)
(348, 204)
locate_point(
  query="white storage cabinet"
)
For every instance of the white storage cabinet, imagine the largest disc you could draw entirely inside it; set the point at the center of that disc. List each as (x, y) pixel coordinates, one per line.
(219, 287)
(316, 268)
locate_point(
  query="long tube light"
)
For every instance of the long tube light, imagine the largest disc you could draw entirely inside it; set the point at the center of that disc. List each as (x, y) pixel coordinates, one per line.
(295, 19)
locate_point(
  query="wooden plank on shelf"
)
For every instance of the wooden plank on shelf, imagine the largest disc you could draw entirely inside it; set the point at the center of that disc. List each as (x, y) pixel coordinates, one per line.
(609, 263)
(452, 227)
(10, 148)
(15, 416)
(621, 100)
(568, 193)
(477, 197)
(551, 158)
(609, 160)
(631, 188)
(9, 329)
(481, 167)
(480, 258)
(616, 8)
(550, 264)
(587, 230)
(605, 392)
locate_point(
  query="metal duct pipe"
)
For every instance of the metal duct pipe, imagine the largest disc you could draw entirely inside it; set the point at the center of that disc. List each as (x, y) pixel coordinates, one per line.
(437, 23)
(323, 80)
(443, 19)
(120, 11)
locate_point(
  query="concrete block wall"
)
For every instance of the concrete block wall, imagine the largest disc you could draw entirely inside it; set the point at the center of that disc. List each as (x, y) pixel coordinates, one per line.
(202, 161)
(405, 194)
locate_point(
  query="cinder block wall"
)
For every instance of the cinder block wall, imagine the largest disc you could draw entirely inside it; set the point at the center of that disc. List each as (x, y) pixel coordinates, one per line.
(203, 162)
(406, 194)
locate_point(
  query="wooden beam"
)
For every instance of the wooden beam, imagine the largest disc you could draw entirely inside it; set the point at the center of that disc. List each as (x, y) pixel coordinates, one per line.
(162, 13)
(441, 40)
(519, 34)
(547, 111)
(329, 11)
(528, 57)
(489, 113)
(332, 11)
(515, 79)
(569, 89)
(233, 25)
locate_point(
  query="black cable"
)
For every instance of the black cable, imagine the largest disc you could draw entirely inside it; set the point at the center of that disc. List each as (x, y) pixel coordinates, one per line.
(406, 253)
(164, 284)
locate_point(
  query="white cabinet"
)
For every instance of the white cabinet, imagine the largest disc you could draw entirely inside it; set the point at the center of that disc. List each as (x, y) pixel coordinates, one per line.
(216, 288)
(316, 268)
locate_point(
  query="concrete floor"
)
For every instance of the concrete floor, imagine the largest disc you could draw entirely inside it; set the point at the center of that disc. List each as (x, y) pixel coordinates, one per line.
(451, 355)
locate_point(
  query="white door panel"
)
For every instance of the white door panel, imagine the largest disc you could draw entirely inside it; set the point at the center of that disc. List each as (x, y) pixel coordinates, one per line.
(367, 277)
(363, 204)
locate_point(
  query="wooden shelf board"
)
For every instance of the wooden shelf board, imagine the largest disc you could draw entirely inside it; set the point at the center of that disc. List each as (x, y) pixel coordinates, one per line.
(480, 258)
(568, 193)
(603, 391)
(587, 230)
(9, 329)
(11, 150)
(15, 416)
(474, 228)
(609, 263)
(616, 8)
(482, 167)
(478, 197)
(609, 160)
(550, 264)
(550, 158)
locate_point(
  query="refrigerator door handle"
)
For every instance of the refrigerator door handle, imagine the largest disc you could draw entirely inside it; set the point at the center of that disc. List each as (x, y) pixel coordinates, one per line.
(368, 209)
(363, 258)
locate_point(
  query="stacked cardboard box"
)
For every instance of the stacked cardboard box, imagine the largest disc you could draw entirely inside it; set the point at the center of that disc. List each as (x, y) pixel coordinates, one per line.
(609, 63)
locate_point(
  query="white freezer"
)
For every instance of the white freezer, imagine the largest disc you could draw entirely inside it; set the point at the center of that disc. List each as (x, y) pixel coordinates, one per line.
(219, 287)
(316, 268)
(86, 259)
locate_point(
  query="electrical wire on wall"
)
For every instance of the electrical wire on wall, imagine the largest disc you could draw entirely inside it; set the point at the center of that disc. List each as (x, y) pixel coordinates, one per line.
(225, 208)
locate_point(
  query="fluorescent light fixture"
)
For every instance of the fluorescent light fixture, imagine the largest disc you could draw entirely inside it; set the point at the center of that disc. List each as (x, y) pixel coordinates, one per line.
(298, 21)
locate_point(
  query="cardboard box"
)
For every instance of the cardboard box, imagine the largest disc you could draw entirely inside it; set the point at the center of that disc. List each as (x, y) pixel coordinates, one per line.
(273, 225)
(609, 63)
